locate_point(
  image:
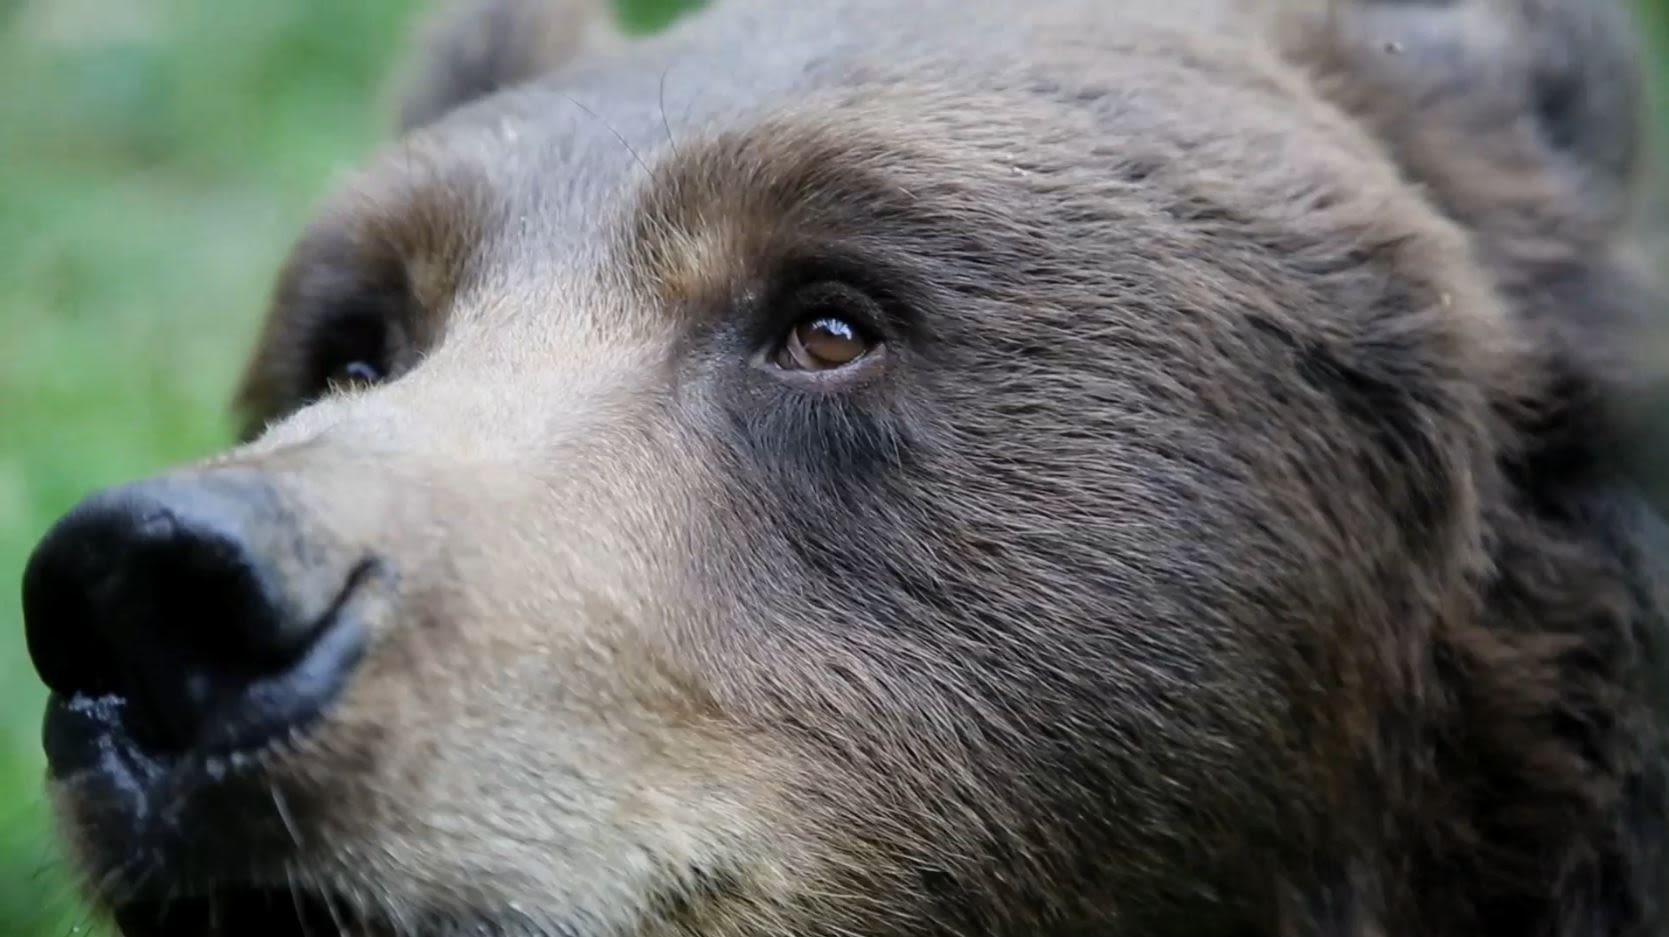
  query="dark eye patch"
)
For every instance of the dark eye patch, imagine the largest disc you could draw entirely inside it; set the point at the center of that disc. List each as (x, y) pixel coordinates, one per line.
(342, 317)
(877, 298)
(811, 360)
(350, 346)
(349, 315)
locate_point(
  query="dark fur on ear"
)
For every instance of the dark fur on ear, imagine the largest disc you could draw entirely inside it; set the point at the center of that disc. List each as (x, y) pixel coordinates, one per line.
(476, 47)
(1524, 122)
(1555, 84)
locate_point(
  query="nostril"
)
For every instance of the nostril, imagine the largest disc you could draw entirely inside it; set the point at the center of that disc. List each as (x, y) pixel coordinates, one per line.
(59, 623)
(184, 598)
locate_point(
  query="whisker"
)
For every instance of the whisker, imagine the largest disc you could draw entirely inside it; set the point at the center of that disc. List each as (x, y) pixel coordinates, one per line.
(169, 895)
(666, 124)
(62, 908)
(284, 817)
(610, 128)
(295, 899)
(335, 916)
(47, 865)
(111, 880)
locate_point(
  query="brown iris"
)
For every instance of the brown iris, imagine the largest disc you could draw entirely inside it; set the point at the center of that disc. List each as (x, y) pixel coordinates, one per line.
(822, 343)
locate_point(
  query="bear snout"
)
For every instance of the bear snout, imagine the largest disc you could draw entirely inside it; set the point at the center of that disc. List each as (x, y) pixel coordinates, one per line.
(195, 611)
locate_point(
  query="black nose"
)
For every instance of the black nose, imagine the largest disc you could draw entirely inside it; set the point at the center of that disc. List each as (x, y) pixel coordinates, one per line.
(195, 605)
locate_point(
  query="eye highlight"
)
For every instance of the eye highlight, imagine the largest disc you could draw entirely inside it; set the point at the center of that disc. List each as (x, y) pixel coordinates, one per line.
(831, 331)
(355, 374)
(821, 344)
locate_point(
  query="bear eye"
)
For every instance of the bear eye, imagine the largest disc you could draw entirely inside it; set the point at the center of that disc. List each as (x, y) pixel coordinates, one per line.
(355, 373)
(350, 352)
(828, 334)
(821, 344)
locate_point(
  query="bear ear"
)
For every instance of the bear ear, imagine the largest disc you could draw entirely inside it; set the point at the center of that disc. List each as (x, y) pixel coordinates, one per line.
(1525, 122)
(1547, 96)
(475, 47)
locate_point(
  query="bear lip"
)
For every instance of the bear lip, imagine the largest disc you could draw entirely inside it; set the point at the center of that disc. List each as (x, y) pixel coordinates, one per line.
(248, 912)
(82, 733)
(222, 804)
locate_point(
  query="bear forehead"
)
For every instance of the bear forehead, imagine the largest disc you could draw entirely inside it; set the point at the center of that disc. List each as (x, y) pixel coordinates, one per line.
(681, 186)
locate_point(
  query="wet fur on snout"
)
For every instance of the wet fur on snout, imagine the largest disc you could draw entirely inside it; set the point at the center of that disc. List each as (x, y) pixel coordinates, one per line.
(1232, 539)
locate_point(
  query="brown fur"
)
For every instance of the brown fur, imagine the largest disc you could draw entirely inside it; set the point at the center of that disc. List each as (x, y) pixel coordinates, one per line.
(1230, 541)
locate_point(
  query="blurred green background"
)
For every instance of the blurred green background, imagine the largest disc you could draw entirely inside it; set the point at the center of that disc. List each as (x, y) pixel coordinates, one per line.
(156, 159)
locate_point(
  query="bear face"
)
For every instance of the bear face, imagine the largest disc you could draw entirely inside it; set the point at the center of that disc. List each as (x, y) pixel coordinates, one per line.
(951, 470)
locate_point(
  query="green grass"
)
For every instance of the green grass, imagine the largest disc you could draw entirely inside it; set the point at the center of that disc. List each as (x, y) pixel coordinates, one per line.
(156, 159)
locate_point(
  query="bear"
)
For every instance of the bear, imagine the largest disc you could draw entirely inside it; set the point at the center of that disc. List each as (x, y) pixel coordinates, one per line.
(1142, 469)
